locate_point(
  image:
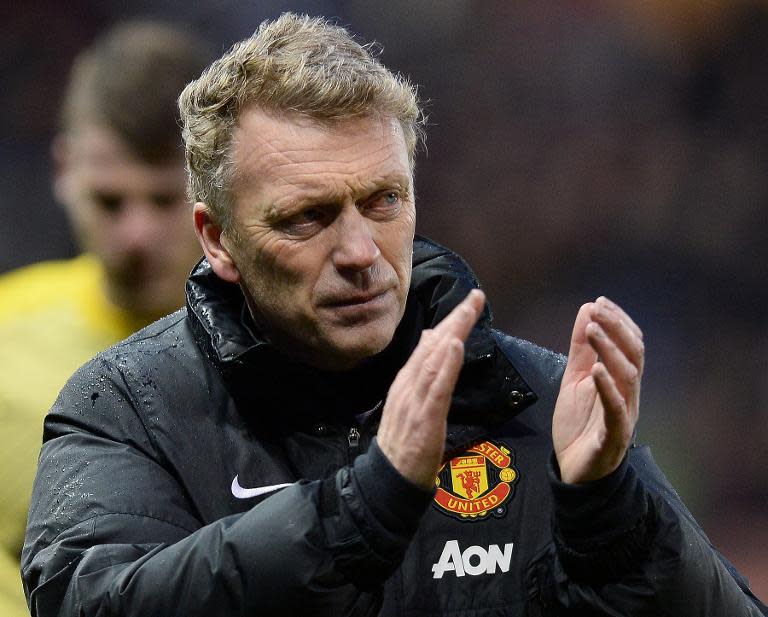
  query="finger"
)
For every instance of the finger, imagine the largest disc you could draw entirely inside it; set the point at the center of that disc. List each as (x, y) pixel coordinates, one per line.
(575, 424)
(433, 365)
(620, 368)
(424, 348)
(612, 307)
(460, 321)
(618, 422)
(440, 392)
(622, 334)
(426, 359)
(581, 355)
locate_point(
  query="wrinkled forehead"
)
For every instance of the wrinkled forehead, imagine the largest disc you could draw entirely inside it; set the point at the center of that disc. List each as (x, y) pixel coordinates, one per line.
(294, 151)
(279, 134)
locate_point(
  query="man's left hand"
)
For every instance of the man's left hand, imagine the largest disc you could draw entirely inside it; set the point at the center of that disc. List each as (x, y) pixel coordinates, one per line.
(598, 405)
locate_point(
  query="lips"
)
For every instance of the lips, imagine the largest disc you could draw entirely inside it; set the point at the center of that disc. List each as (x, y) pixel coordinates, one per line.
(355, 300)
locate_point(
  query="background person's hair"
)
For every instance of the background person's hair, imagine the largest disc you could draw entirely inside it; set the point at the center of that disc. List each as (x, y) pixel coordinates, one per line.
(129, 80)
(296, 64)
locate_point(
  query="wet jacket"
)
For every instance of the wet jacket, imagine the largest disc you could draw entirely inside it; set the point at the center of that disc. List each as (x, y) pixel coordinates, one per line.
(193, 470)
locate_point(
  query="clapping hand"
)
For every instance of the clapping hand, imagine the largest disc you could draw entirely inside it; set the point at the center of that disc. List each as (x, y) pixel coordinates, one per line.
(598, 405)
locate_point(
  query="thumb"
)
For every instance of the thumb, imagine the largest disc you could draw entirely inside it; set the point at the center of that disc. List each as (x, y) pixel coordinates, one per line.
(581, 355)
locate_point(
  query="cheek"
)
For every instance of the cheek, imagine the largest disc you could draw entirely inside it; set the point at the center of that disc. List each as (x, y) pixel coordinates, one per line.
(180, 221)
(272, 255)
(88, 219)
(101, 234)
(175, 234)
(397, 245)
(278, 266)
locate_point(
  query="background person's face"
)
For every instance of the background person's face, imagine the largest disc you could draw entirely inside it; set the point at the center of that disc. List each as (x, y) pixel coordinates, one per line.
(326, 218)
(133, 216)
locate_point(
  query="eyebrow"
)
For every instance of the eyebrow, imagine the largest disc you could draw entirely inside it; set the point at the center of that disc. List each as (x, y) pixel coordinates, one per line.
(327, 196)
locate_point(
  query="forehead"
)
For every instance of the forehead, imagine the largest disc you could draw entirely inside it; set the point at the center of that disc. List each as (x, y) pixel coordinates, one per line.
(103, 159)
(279, 154)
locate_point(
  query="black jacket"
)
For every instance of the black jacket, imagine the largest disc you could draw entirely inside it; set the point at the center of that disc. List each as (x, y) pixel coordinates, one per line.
(135, 510)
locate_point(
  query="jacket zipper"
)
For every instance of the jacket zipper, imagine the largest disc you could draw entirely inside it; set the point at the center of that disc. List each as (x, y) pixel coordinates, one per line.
(353, 439)
(537, 605)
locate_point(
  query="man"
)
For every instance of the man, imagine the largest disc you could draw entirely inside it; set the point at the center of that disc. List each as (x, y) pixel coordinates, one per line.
(281, 447)
(120, 176)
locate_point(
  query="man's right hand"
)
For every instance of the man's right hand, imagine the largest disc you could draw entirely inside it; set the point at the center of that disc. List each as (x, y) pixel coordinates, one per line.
(413, 424)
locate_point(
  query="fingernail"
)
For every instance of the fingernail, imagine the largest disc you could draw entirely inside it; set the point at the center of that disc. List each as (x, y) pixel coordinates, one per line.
(607, 303)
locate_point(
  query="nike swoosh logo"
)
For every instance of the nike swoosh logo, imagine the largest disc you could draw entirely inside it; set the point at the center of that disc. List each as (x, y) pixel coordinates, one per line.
(246, 493)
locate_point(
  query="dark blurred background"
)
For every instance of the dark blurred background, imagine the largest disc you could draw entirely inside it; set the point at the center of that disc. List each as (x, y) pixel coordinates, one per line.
(576, 148)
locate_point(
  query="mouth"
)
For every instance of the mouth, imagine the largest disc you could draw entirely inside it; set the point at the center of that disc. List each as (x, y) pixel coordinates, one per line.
(357, 300)
(130, 272)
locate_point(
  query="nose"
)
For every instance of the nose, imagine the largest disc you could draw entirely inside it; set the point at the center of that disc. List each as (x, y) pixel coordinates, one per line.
(137, 227)
(356, 248)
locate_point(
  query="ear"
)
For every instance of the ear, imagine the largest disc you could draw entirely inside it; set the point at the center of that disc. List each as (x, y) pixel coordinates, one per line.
(209, 235)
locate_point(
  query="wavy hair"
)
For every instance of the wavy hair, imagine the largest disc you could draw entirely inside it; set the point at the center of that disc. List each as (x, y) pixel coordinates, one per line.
(294, 64)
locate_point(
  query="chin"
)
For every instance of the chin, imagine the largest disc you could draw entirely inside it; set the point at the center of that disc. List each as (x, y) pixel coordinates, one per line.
(144, 303)
(348, 356)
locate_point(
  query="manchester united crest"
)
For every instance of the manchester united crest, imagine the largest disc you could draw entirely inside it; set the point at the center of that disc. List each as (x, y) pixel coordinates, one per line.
(476, 483)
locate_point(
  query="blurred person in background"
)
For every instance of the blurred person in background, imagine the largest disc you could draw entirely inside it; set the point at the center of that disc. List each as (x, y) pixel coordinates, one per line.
(119, 174)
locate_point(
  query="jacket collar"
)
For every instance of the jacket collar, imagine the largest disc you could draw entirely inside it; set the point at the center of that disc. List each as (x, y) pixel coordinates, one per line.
(490, 389)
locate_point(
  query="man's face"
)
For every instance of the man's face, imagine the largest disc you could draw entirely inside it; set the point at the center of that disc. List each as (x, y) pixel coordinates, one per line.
(325, 219)
(132, 215)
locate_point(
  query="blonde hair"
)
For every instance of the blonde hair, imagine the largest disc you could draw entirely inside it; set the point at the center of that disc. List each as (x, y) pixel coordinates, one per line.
(297, 64)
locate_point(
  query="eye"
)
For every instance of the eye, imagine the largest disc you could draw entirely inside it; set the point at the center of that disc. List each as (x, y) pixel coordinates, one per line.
(392, 198)
(108, 202)
(165, 201)
(310, 215)
(305, 222)
(384, 204)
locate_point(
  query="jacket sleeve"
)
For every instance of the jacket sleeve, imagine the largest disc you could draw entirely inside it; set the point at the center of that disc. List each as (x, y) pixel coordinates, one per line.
(110, 531)
(626, 545)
